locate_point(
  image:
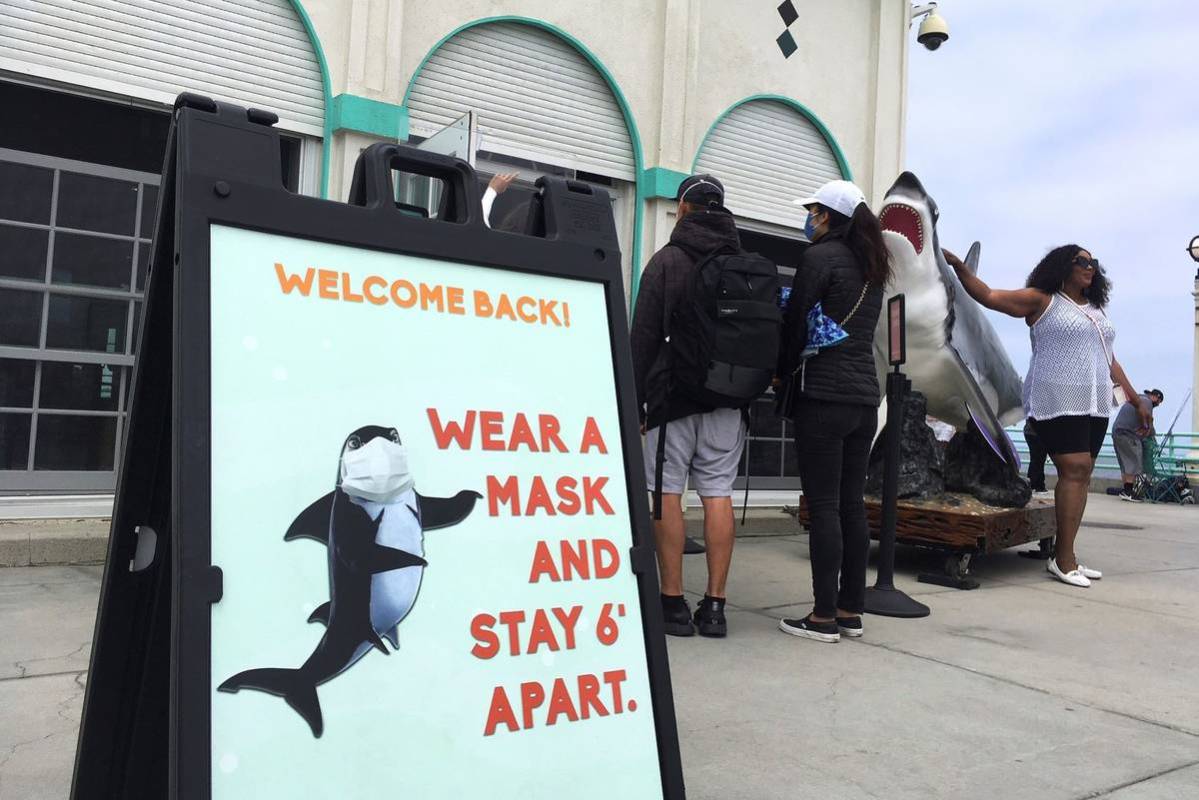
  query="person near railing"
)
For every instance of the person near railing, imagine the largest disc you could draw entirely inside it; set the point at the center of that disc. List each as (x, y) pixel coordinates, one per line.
(1130, 435)
(1068, 392)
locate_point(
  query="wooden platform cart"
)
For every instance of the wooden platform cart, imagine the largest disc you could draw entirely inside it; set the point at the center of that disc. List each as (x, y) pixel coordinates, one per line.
(961, 527)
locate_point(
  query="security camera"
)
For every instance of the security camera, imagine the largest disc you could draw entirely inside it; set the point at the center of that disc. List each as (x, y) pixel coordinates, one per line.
(934, 31)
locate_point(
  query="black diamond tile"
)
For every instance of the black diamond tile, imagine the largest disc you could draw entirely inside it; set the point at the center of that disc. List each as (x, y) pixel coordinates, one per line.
(787, 12)
(787, 44)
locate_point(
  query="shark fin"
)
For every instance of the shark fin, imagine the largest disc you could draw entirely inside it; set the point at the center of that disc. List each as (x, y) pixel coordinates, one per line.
(393, 636)
(383, 559)
(313, 522)
(1000, 443)
(442, 512)
(971, 261)
(290, 684)
(321, 614)
(984, 417)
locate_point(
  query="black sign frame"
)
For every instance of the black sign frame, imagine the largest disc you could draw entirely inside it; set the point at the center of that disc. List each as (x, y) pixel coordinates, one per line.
(146, 721)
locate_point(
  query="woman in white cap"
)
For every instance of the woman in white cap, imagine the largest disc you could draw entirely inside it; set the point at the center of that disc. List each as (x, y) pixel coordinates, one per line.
(831, 394)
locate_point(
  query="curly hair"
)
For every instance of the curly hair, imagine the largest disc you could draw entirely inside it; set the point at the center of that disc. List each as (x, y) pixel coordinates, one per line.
(1050, 275)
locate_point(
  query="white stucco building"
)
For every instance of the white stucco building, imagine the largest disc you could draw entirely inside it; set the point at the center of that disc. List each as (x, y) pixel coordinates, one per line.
(628, 94)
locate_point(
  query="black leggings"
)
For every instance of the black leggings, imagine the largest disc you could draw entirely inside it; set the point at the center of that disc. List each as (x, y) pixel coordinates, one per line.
(833, 442)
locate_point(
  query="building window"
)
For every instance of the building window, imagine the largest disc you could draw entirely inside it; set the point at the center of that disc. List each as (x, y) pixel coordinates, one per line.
(78, 192)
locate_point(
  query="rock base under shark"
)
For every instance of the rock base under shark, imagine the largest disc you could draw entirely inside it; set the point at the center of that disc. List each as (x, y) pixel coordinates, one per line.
(972, 468)
(928, 469)
(921, 465)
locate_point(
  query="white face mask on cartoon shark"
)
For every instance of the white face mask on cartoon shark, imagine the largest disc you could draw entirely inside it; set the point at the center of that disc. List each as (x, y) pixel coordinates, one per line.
(376, 471)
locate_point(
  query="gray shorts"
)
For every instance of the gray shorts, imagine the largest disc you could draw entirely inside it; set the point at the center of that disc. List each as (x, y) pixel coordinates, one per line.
(1130, 452)
(705, 446)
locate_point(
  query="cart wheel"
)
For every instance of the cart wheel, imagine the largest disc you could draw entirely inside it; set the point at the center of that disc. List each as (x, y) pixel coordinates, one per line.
(957, 565)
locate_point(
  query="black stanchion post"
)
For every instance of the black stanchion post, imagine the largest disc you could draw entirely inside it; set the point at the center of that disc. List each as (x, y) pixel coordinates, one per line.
(884, 599)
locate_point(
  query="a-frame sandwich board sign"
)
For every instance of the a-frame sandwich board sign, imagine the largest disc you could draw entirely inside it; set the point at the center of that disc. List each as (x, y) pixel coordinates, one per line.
(381, 526)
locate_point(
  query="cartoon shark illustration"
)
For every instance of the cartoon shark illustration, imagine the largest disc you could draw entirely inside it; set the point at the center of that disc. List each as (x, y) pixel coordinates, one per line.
(954, 356)
(373, 526)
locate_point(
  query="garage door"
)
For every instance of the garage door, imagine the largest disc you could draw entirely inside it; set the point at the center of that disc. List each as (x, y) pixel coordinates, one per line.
(251, 52)
(536, 97)
(768, 154)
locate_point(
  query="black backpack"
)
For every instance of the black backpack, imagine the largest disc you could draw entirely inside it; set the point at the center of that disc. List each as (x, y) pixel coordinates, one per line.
(725, 331)
(724, 338)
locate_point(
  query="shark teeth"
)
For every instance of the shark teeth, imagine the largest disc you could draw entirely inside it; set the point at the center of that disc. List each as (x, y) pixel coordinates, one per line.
(906, 221)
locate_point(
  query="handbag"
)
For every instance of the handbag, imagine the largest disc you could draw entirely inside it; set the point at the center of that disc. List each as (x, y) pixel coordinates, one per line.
(823, 333)
(1119, 396)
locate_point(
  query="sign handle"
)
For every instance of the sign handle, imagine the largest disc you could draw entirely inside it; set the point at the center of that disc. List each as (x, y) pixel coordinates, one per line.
(372, 185)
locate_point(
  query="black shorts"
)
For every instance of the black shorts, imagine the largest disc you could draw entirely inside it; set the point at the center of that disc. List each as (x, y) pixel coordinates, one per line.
(1072, 434)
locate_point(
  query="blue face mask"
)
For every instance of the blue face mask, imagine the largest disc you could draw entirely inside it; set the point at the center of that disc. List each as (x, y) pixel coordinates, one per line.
(809, 228)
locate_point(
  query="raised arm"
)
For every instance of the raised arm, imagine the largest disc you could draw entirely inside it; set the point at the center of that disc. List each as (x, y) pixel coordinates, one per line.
(1024, 303)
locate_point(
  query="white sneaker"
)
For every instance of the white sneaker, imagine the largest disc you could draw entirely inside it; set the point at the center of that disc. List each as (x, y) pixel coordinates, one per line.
(1073, 577)
(1043, 495)
(1087, 572)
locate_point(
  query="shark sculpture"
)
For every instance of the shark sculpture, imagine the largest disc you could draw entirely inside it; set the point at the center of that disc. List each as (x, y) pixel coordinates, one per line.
(954, 356)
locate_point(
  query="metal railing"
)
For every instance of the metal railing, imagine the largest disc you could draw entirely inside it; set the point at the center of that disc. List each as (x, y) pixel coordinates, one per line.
(1179, 453)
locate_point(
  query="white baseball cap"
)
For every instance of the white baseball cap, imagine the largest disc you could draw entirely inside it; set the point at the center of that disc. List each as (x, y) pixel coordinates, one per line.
(844, 197)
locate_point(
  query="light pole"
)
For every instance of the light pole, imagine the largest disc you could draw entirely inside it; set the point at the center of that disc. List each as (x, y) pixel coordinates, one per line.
(1193, 249)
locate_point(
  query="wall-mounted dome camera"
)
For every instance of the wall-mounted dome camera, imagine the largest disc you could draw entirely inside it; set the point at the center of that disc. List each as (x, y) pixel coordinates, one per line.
(934, 31)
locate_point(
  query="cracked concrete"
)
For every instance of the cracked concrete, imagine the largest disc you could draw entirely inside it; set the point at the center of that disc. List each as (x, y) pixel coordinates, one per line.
(1023, 688)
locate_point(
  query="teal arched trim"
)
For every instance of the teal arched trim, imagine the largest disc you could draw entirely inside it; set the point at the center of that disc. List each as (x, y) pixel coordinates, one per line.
(661, 182)
(621, 101)
(327, 87)
(842, 162)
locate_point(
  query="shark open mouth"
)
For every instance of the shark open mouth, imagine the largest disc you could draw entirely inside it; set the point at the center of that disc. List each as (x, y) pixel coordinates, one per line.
(905, 221)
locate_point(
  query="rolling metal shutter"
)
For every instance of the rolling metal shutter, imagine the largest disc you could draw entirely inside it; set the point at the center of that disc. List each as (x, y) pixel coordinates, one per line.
(536, 98)
(768, 155)
(252, 52)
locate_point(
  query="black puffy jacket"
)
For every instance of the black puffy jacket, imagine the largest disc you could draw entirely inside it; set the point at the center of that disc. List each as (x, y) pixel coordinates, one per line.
(663, 284)
(830, 274)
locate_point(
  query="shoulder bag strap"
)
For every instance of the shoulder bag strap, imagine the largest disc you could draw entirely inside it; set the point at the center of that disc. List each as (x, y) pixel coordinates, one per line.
(857, 305)
(1093, 321)
(1118, 394)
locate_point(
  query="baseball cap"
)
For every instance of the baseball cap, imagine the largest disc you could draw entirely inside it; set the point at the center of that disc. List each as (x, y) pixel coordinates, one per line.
(841, 196)
(701, 189)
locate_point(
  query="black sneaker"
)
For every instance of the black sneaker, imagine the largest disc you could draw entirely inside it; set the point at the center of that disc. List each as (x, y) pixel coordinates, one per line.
(1129, 497)
(850, 626)
(709, 617)
(820, 631)
(676, 616)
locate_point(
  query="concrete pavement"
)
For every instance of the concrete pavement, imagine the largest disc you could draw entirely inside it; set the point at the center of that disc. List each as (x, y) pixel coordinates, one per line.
(1023, 688)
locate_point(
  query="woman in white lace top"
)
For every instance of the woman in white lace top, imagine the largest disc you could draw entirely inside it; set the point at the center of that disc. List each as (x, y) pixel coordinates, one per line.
(1068, 394)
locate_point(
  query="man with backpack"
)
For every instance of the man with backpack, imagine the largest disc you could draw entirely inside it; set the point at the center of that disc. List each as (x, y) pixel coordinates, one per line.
(704, 338)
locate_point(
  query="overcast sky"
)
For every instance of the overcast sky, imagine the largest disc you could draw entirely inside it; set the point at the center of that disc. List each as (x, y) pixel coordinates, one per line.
(1045, 123)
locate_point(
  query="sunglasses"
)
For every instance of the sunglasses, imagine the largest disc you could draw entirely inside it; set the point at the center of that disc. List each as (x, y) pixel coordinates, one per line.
(1086, 263)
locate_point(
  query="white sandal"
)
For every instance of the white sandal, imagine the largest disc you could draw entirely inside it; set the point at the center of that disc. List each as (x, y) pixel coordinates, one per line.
(1074, 577)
